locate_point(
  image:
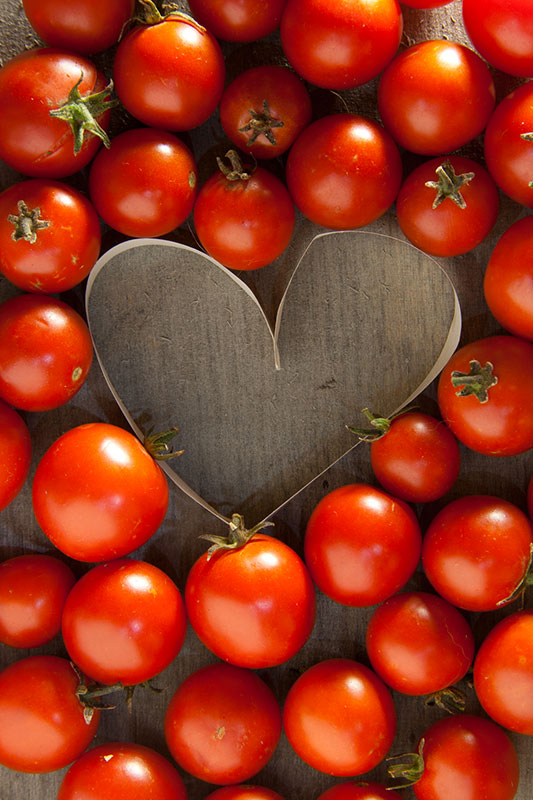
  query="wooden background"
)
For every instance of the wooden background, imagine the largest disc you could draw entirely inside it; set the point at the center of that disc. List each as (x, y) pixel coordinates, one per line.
(339, 631)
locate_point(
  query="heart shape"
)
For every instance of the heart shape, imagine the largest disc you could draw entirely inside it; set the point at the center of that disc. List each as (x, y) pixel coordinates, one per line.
(365, 320)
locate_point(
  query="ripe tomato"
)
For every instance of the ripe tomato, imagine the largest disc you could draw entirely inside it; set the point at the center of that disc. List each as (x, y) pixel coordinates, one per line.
(502, 31)
(508, 281)
(418, 643)
(169, 74)
(491, 413)
(361, 545)
(432, 122)
(264, 109)
(42, 725)
(34, 83)
(33, 590)
(340, 45)
(244, 793)
(339, 717)
(122, 770)
(15, 453)
(343, 171)
(222, 724)
(97, 493)
(348, 790)
(145, 183)
(238, 20)
(49, 236)
(503, 672)
(447, 206)
(476, 551)
(45, 352)
(244, 220)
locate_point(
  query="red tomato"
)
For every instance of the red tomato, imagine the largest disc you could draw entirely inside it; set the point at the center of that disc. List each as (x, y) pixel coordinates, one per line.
(447, 206)
(122, 770)
(45, 352)
(361, 545)
(508, 281)
(432, 122)
(145, 183)
(238, 20)
(49, 236)
(33, 590)
(503, 672)
(343, 171)
(244, 793)
(476, 551)
(348, 790)
(337, 44)
(485, 395)
(264, 109)
(42, 725)
(222, 724)
(169, 74)
(339, 717)
(34, 83)
(502, 31)
(15, 453)
(418, 643)
(87, 26)
(98, 494)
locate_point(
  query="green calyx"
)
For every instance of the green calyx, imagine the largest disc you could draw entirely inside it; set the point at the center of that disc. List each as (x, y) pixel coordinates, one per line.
(81, 113)
(158, 444)
(237, 537)
(409, 770)
(261, 122)
(27, 223)
(449, 184)
(477, 382)
(236, 171)
(149, 14)
(380, 425)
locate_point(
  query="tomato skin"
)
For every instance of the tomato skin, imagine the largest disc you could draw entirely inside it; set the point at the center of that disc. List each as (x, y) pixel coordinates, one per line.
(361, 545)
(222, 724)
(42, 727)
(46, 352)
(502, 32)
(97, 493)
(15, 454)
(339, 717)
(33, 590)
(349, 790)
(238, 20)
(244, 793)
(428, 122)
(343, 171)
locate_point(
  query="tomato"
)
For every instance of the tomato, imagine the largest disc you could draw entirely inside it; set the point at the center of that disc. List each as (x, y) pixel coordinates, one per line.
(49, 236)
(45, 352)
(502, 32)
(349, 790)
(120, 771)
(222, 724)
(476, 551)
(244, 219)
(42, 725)
(447, 206)
(343, 171)
(169, 74)
(33, 590)
(339, 717)
(503, 672)
(244, 793)
(485, 395)
(337, 44)
(238, 20)
(36, 82)
(15, 454)
(418, 643)
(264, 109)
(435, 122)
(361, 545)
(145, 183)
(89, 26)
(97, 493)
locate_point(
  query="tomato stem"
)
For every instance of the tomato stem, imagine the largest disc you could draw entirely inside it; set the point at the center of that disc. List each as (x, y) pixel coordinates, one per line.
(27, 223)
(236, 172)
(149, 14)
(450, 699)
(525, 581)
(81, 113)
(380, 425)
(410, 770)
(261, 122)
(237, 537)
(449, 185)
(158, 444)
(477, 382)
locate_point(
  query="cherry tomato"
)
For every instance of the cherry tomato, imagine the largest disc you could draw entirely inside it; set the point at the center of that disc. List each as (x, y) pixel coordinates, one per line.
(45, 352)
(343, 171)
(33, 590)
(502, 32)
(476, 551)
(485, 395)
(340, 45)
(339, 717)
(15, 454)
(145, 183)
(349, 790)
(361, 545)
(447, 206)
(97, 493)
(238, 20)
(264, 109)
(244, 793)
(432, 122)
(42, 725)
(49, 236)
(222, 724)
